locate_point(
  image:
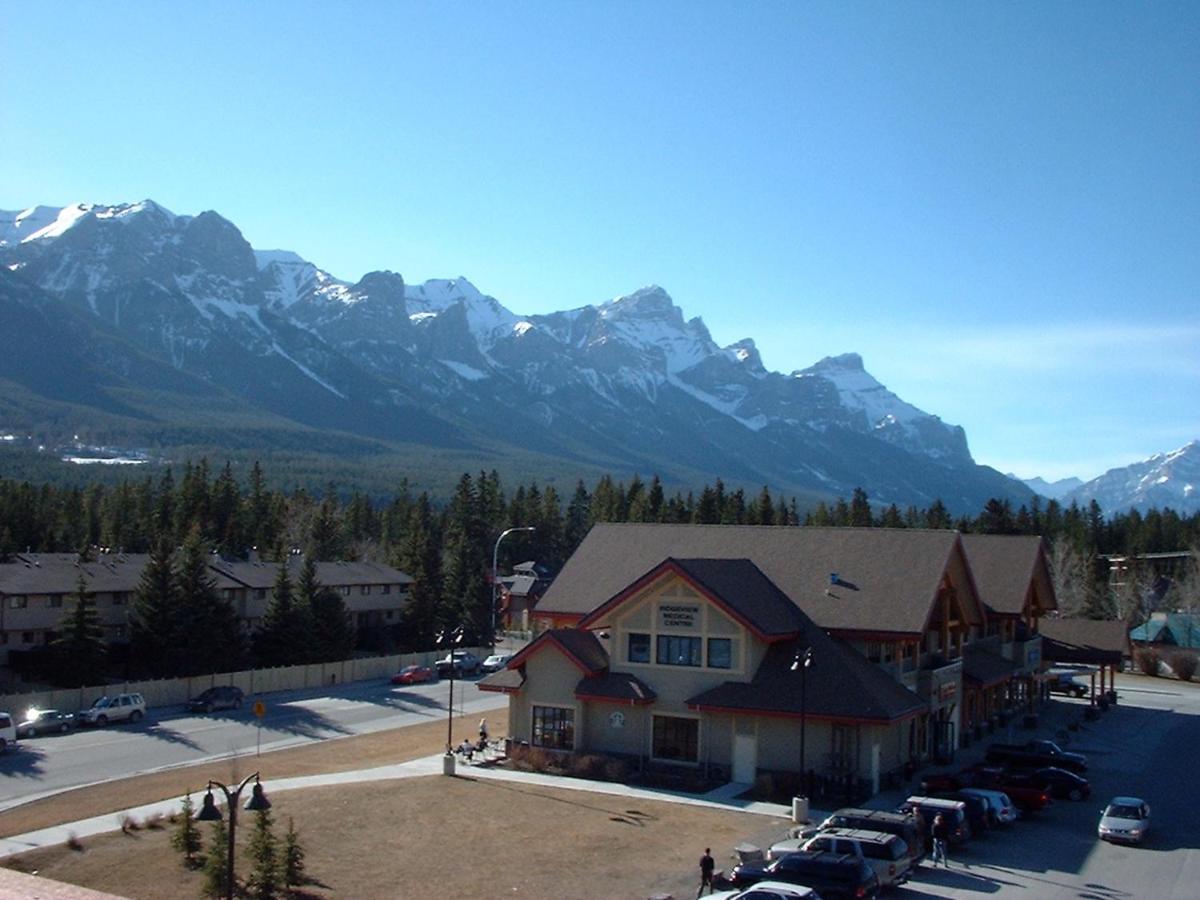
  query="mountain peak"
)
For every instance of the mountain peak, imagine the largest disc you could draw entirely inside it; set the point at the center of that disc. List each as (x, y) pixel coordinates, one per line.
(845, 362)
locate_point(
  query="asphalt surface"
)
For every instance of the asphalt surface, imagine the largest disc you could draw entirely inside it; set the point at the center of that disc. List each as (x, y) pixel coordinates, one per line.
(170, 737)
(1145, 747)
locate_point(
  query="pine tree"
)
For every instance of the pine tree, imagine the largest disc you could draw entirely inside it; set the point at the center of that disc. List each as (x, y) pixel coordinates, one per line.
(293, 858)
(579, 516)
(331, 632)
(186, 837)
(208, 625)
(419, 556)
(154, 614)
(860, 509)
(81, 648)
(262, 849)
(216, 862)
(286, 634)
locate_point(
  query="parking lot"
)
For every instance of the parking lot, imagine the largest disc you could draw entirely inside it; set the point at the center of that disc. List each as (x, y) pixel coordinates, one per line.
(1145, 747)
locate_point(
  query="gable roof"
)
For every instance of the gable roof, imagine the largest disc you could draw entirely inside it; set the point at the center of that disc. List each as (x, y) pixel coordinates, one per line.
(1180, 629)
(1005, 566)
(887, 578)
(736, 585)
(581, 647)
(1084, 641)
(615, 687)
(839, 685)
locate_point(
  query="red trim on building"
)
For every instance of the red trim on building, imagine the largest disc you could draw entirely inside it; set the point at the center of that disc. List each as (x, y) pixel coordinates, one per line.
(620, 701)
(813, 717)
(548, 637)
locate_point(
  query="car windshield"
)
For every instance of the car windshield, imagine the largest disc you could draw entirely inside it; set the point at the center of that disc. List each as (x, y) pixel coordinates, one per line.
(102, 703)
(1123, 812)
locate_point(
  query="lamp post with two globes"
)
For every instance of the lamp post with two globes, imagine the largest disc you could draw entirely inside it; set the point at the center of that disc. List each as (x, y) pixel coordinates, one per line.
(209, 813)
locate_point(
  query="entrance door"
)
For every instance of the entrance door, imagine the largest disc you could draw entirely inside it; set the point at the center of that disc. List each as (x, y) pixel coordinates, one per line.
(745, 758)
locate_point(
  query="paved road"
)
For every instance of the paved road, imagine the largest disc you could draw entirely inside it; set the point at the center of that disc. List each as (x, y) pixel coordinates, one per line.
(1146, 746)
(170, 737)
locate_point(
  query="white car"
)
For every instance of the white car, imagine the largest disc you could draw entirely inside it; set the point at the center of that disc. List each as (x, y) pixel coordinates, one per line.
(1001, 810)
(121, 708)
(8, 731)
(1125, 819)
(769, 890)
(496, 662)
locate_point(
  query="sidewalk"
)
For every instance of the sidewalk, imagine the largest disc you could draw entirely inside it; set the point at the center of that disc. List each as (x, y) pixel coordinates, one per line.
(429, 765)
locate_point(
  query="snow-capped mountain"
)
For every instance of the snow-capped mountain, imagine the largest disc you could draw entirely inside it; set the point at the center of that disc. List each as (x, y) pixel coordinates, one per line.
(627, 384)
(1164, 480)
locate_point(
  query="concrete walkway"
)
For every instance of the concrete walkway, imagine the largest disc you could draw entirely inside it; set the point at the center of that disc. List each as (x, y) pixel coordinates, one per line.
(722, 798)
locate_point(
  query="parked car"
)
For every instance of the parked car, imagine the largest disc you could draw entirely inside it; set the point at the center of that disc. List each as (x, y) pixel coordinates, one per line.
(43, 721)
(977, 809)
(225, 696)
(1063, 784)
(8, 731)
(460, 662)
(831, 874)
(1125, 819)
(121, 708)
(769, 890)
(1001, 810)
(1066, 684)
(886, 854)
(1029, 793)
(413, 675)
(910, 828)
(1035, 755)
(496, 662)
(954, 811)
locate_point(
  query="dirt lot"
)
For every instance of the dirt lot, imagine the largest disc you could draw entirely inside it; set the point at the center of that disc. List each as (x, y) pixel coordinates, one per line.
(419, 838)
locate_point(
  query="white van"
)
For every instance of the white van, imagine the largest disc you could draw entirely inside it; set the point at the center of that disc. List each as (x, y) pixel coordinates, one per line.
(8, 731)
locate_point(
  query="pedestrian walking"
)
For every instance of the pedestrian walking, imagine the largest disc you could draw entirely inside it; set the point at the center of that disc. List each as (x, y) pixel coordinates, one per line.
(941, 833)
(706, 872)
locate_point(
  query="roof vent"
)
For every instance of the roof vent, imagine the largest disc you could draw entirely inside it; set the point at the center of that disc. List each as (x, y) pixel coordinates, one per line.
(833, 578)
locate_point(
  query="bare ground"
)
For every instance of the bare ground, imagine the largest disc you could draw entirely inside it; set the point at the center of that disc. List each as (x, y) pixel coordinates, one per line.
(418, 838)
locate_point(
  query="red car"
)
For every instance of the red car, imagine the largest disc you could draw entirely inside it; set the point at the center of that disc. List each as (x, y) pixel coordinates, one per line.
(413, 675)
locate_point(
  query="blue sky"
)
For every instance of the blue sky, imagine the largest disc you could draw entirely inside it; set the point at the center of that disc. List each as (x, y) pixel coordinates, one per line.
(997, 205)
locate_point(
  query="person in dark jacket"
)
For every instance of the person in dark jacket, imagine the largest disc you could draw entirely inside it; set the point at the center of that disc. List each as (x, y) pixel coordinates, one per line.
(941, 834)
(706, 871)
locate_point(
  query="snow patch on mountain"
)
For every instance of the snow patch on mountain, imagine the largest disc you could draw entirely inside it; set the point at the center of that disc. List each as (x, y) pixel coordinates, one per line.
(858, 390)
(1165, 479)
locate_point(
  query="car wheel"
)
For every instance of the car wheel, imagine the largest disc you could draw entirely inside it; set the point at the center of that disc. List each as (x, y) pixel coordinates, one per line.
(237, 704)
(208, 707)
(101, 720)
(1076, 794)
(135, 716)
(64, 728)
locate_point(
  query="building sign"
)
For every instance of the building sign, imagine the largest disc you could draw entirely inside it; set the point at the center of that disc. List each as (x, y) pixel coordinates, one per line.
(679, 615)
(947, 691)
(616, 720)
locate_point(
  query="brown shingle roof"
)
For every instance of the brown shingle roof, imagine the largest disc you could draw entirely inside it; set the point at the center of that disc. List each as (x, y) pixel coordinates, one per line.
(888, 578)
(582, 647)
(986, 668)
(736, 584)
(617, 687)
(1084, 641)
(1004, 565)
(505, 681)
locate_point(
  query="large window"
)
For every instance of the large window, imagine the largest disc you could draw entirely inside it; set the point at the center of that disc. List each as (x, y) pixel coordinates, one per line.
(553, 727)
(720, 653)
(674, 650)
(676, 739)
(639, 648)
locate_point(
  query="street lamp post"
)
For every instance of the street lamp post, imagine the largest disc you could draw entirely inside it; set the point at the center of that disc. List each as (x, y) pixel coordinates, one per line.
(801, 662)
(495, 559)
(450, 640)
(209, 813)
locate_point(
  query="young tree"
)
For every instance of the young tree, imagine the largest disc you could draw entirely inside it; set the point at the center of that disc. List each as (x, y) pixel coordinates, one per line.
(266, 876)
(216, 862)
(80, 648)
(293, 858)
(186, 837)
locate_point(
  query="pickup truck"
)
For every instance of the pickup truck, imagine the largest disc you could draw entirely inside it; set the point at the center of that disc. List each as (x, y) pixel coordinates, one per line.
(458, 663)
(1035, 755)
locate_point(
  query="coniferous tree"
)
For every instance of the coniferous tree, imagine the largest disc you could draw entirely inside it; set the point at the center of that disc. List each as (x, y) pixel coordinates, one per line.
(80, 648)
(293, 858)
(579, 516)
(285, 635)
(419, 557)
(186, 838)
(154, 614)
(328, 620)
(216, 862)
(266, 876)
(860, 509)
(208, 624)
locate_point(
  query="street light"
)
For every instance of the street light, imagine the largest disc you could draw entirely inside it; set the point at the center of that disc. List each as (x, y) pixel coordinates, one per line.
(209, 813)
(450, 639)
(801, 662)
(495, 558)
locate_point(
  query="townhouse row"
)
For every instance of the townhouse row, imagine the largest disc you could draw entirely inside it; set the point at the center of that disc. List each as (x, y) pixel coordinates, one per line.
(37, 590)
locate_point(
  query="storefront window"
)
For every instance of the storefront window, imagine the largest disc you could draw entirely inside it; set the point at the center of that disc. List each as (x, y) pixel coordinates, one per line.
(676, 739)
(678, 651)
(553, 727)
(720, 653)
(639, 648)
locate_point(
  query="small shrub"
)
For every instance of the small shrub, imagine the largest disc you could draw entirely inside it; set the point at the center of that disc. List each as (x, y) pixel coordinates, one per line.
(1147, 660)
(1184, 665)
(616, 770)
(585, 765)
(74, 842)
(130, 824)
(155, 822)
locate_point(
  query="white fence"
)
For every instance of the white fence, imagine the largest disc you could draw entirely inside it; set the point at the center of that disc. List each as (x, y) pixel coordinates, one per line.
(175, 691)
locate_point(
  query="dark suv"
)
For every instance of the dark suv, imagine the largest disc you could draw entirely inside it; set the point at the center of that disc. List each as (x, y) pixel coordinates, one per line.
(224, 697)
(830, 874)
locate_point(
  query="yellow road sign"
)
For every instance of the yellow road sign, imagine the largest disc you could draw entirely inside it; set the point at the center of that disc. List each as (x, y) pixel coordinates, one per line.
(260, 708)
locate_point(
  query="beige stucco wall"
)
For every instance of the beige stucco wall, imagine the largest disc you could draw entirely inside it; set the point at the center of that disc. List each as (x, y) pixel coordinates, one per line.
(550, 679)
